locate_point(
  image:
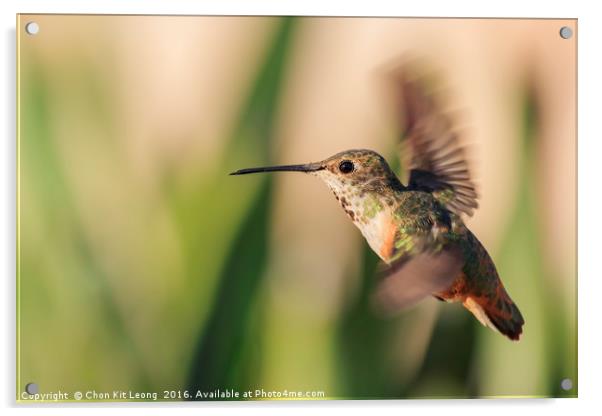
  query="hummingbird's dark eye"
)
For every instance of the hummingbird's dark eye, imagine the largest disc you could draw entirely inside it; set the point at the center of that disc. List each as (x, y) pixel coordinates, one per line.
(346, 166)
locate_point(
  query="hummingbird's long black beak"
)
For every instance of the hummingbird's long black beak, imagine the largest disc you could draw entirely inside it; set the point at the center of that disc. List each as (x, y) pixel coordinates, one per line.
(308, 167)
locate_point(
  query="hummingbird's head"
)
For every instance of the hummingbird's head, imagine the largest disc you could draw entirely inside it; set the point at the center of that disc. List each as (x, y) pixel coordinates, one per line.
(352, 176)
(355, 172)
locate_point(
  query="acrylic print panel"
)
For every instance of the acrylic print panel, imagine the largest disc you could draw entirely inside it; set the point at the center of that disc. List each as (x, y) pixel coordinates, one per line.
(146, 271)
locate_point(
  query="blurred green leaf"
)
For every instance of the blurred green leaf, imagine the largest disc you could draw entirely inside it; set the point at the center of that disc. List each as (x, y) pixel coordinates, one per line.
(58, 267)
(363, 339)
(217, 360)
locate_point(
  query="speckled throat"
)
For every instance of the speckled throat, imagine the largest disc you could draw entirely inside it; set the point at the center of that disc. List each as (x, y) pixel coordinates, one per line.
(370, 211)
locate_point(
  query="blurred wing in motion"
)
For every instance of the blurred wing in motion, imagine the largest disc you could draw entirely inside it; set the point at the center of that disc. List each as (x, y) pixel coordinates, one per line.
(410, 279)
(437, 163)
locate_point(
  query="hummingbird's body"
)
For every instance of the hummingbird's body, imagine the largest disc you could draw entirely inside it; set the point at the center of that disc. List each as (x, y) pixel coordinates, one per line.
(400, 222)
(417, 229)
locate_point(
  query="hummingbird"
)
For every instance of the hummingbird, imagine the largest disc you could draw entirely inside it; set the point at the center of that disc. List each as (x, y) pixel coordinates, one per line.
(417, 228)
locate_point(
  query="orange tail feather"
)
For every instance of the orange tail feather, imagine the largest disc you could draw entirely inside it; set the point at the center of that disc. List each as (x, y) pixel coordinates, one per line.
(499, 313)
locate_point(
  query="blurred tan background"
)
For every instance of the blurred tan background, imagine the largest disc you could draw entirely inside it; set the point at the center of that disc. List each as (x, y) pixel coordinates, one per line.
(143, 265)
